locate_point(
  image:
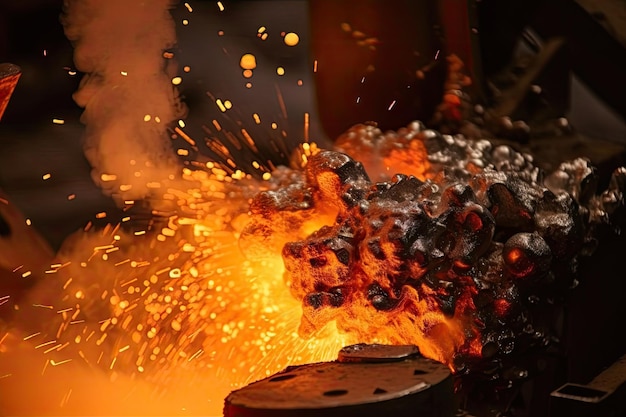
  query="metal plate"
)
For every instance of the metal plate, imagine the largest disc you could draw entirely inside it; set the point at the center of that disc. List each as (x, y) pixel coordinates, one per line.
(405, 386)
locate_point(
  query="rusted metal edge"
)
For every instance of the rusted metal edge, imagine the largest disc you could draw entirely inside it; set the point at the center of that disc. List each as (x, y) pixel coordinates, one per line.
(9, 76)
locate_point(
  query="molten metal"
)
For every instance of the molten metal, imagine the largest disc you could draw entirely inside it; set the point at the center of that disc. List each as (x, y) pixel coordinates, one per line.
(445, 258)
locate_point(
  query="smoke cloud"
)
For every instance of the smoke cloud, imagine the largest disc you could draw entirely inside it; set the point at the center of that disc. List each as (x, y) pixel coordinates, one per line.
(127, 94)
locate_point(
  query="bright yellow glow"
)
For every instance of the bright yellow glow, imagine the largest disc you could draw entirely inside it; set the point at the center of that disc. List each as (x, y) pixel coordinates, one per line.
(108, 177)
(247, 62)
(291, 39)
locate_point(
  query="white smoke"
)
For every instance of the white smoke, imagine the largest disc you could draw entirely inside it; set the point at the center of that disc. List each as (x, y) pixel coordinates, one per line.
(127, 94)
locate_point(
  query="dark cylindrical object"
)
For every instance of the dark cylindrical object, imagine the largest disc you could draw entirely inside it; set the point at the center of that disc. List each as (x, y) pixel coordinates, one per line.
(362, 383)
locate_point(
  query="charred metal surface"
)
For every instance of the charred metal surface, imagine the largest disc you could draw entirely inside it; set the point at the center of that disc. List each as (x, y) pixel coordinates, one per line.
(405, 384)
(485, 237)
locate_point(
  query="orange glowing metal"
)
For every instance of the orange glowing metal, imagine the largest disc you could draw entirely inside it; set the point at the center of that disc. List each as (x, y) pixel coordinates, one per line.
(9, 76)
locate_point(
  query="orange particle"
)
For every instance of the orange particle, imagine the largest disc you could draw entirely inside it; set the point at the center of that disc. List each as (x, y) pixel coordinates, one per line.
(247, 62)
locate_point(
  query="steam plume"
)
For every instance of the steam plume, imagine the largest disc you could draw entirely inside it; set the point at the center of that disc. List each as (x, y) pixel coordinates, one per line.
(126, 91)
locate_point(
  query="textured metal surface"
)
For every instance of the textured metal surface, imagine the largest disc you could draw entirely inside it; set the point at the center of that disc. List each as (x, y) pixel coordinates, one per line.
(404, 387)
(376, 353)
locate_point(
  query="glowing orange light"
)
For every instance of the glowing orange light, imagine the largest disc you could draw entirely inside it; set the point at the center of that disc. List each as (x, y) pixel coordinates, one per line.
(247, 62)
(291, 39)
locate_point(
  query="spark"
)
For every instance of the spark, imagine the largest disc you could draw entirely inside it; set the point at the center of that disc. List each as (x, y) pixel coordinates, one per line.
(281, 101)
(186, 137)
(220, 105)
(220, 5)
(109, 177)
(31, 336)
(54, 363)
(291, 39)
(66, 397)
(55, 347)
(248, 61)
(48, 343)
(58, 121)
(393, 103)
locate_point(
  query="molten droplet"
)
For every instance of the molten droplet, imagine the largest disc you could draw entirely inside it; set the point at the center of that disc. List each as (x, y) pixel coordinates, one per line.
(291, 39)
(247, 62)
